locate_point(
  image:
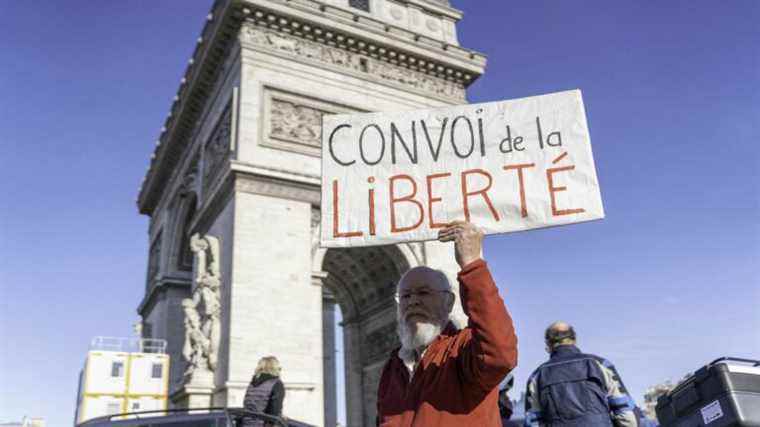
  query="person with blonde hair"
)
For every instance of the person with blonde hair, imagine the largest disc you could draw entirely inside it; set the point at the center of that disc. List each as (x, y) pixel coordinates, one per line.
(266, 391)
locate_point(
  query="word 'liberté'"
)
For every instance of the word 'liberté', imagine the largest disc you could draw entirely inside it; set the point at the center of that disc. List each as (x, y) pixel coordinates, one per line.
(427, 204)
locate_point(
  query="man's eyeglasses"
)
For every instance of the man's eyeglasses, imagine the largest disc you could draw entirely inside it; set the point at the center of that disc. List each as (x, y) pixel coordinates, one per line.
(421, 293)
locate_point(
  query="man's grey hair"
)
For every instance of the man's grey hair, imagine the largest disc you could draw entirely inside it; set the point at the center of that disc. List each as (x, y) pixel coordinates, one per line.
(443, 282)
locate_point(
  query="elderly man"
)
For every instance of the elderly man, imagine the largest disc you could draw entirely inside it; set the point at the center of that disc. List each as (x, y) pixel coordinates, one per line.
(442, 376)
(574, 389)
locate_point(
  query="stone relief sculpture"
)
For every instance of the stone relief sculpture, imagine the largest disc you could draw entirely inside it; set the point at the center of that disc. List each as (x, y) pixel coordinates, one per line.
(296, 122)
(293, 122)
(217, 148)
(203, 310)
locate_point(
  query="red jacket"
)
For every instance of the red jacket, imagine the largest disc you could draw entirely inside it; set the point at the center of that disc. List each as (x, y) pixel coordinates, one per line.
(455, 383)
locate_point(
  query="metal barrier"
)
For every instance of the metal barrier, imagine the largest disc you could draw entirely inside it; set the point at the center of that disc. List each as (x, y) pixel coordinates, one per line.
(129, 345)
(234, 415)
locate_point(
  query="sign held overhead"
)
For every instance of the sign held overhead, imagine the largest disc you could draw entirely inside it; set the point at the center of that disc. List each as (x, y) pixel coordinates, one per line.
(505, 166)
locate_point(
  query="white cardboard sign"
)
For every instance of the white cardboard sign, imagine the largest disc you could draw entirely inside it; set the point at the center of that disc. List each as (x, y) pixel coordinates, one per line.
(505, 166)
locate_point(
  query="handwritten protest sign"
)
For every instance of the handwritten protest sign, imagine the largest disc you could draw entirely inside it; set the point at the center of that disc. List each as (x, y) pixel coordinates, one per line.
(506, 166)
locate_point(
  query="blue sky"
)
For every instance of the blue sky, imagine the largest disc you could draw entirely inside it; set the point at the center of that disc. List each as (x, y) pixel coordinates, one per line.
(667, 282)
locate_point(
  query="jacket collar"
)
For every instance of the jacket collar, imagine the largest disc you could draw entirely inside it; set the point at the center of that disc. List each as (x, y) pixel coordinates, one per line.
(449, 330)
(262, 378)
(565, 350)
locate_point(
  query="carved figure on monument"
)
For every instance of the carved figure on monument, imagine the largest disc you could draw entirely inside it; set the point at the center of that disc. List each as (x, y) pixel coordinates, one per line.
(196, 343)
(206, 250)
(203, 311)
(206, 296)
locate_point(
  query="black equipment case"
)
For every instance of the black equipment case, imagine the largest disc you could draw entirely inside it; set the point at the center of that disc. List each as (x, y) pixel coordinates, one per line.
(724, 393)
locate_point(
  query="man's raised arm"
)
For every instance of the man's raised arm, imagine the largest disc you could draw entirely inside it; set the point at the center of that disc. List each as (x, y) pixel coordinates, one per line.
(492, 352)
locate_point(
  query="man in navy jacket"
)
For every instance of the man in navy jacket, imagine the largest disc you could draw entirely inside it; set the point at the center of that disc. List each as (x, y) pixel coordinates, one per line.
(574, 389)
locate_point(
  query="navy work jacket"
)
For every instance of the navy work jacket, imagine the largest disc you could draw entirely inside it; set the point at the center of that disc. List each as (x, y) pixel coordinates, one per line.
(572, 390)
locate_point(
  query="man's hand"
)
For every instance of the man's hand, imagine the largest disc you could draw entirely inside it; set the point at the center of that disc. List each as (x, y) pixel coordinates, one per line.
(467, 238)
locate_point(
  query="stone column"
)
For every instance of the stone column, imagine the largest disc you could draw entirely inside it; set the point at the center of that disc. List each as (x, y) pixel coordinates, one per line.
(275, 309)
(328, 352)
(352, 350)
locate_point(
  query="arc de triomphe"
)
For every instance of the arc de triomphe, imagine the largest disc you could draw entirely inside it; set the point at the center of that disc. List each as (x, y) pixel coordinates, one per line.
(235, 271)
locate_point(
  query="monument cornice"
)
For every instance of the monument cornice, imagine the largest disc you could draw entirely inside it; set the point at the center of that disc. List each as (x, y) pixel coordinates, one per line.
(195, 88)
(356, 30)
(285, 175)
(273, 186)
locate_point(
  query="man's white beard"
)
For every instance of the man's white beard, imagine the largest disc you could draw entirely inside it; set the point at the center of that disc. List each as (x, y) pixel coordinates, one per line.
(418, 336)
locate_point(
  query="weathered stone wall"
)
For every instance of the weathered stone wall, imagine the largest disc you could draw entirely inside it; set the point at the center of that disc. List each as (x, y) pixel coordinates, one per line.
(275, 309)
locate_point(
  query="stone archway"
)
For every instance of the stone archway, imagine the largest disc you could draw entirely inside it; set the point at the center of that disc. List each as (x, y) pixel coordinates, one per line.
(362, 281)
